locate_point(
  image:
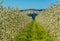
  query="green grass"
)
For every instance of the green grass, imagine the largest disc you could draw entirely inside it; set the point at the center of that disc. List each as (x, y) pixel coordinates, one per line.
(33, 32)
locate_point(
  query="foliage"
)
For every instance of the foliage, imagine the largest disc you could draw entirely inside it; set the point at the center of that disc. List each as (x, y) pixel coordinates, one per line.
(50, 19)
(12, 21)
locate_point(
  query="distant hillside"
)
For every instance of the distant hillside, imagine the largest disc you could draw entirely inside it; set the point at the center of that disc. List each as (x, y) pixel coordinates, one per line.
(32, 10)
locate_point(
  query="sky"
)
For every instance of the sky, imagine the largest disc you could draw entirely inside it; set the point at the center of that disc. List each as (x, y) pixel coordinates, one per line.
(28, 4)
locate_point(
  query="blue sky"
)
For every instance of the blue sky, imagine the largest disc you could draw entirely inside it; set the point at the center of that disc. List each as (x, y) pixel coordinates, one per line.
(28, 4)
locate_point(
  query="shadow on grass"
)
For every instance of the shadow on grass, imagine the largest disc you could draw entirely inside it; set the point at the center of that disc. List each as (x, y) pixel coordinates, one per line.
(33, 15)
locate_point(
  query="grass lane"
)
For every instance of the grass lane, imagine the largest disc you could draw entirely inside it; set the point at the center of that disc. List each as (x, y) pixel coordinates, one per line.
(33, 32)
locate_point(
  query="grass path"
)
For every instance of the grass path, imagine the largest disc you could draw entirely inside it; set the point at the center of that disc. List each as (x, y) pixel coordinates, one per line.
(33, 32)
